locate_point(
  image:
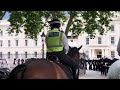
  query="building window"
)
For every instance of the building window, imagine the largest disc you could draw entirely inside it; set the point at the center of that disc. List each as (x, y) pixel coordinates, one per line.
(87, 41)
(1, 32)
(0, 54)
(26, 54)
(99, 40)
(16, 42)
(26, 42)
(112, 54)
(8, 55)
(16, 54)
(9, 43)
(112, 28)
(35, 53)
(35, 43)
(1, 43)
(112, 40)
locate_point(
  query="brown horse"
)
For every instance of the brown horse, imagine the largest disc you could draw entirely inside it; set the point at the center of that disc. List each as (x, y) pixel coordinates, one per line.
(36, 68)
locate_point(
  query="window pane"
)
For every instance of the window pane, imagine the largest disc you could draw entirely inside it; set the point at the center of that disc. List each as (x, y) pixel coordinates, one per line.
(16, 54)
(1, 42)
(35, 43)
(112, 54)
(1, 32)
(9, 43)
(112, 27)
(99, 40)
(26, 42)
(16, 42)
(0, 54)
(8, 55)
(87, 41)
(112, 40)
(35, 54)
(26, 54)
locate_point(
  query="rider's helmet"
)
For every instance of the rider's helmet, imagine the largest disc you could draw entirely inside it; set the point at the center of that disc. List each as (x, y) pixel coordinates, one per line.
(55, 23)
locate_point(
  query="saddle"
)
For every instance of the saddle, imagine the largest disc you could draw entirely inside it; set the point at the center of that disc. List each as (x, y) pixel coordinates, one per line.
(53, 58)
(65, 68)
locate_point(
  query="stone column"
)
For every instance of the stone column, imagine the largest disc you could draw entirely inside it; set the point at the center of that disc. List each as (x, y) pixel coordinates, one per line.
(103, 54)
(106, 52)
(93, 54)
(90, 53)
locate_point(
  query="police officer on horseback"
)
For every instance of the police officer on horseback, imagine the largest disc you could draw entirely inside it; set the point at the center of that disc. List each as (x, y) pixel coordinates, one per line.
(57, 44)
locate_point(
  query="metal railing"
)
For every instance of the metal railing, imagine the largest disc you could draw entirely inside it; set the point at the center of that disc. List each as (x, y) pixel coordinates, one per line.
(20, 56)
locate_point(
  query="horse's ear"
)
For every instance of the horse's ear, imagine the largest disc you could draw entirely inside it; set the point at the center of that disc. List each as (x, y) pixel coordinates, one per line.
(80, 47)
(69, 47)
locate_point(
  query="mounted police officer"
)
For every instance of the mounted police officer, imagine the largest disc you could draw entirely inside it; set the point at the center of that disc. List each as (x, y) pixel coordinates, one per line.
(57, 44)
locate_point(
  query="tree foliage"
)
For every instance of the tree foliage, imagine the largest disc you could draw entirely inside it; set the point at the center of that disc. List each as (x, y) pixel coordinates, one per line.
(77, 21)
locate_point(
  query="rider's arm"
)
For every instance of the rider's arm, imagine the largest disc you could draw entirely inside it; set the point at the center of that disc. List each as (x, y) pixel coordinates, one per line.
(118, 47)
(66, 46)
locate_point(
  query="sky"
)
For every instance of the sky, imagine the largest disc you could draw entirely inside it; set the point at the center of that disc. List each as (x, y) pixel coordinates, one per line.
(6, 17)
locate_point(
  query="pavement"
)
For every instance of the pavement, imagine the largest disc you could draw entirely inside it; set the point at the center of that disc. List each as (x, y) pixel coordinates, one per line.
(90, 74)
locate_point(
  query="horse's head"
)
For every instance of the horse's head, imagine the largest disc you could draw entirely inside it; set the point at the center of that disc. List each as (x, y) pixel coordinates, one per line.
(74, 53)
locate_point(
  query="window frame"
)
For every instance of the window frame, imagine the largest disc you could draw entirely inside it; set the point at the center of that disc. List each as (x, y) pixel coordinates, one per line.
(26, 42)
(9, 55)
(112, 28)
(1, 55)
(112, 54)
(87, 41)
(112, 39)
(9, 43)
(99, 40)
(1, 43)
(17, 42)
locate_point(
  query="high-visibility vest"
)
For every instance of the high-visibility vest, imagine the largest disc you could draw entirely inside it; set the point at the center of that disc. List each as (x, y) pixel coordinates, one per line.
(54, 41)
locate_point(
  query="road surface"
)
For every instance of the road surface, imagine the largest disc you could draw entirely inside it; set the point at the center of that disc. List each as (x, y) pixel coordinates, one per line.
(90, 74)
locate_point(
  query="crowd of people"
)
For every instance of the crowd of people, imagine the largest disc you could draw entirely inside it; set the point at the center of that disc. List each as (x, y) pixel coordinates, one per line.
(18, 61)
(101, 64)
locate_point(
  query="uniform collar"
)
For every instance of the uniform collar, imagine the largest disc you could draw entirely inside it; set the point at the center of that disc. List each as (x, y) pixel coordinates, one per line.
(55, 28)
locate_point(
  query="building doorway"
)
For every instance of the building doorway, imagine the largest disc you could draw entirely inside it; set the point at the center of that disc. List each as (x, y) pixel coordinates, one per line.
(99, 56)
(98, 53)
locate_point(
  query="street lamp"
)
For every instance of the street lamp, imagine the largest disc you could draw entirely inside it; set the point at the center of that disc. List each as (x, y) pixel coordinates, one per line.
(43, 37)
